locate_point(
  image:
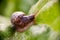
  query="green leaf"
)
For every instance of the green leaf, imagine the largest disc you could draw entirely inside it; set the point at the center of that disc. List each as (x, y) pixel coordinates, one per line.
(49, 14)
(38, 6)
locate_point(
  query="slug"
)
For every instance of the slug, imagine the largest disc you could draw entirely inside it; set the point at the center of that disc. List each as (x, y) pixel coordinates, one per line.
(21, 21)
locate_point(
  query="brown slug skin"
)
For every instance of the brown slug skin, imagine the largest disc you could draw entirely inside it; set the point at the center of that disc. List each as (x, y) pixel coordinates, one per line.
(20, 20)
(26, 20)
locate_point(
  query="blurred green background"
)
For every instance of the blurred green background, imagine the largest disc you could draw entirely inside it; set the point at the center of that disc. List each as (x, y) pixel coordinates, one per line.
(47, 20)
(7, 7)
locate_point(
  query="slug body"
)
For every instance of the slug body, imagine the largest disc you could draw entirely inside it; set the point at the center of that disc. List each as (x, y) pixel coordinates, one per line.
(20, 21)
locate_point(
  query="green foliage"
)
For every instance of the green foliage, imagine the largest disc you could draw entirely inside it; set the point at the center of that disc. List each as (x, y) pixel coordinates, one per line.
(7, 33)
(48, 14)
(47, 20)
(7, 7)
